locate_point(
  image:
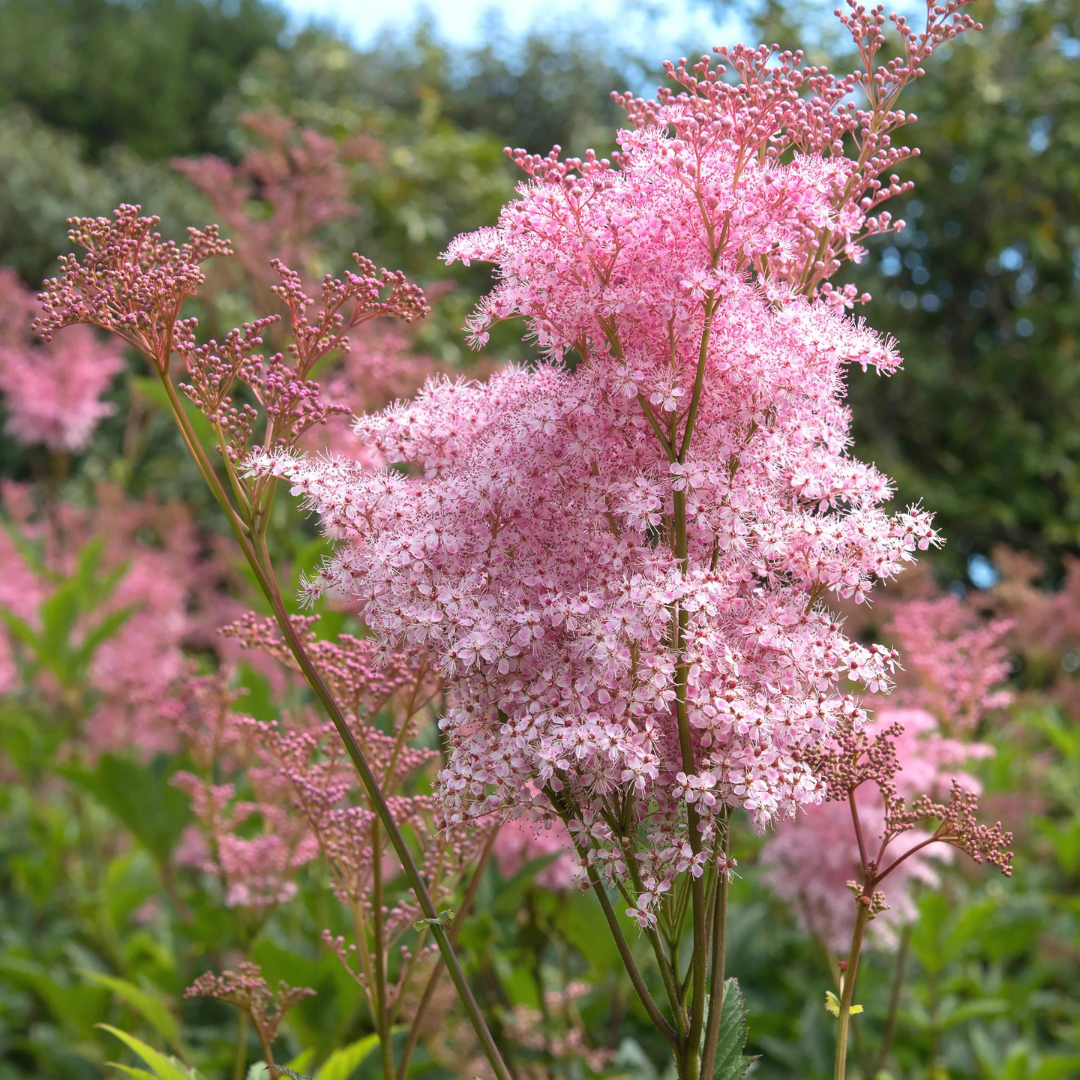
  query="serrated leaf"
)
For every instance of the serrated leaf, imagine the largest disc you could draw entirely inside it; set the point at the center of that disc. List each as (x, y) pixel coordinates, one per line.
(164, 1068)
(341, 1064)
(731, 1062)
(285, 1070)
(150, 1008)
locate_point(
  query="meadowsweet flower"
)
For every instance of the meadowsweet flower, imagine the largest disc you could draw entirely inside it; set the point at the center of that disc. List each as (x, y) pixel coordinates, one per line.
(620, 569)
(251, 994)
(52, 393)
(254, 846)
(956, 660)
(310, 765)
(811, 859)
(164, 592)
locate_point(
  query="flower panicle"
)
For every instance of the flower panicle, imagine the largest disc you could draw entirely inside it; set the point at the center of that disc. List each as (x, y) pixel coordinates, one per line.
(250, 992)
(134, 284)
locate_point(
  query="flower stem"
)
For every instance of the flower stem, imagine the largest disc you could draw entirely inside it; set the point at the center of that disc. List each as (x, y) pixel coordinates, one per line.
(655, 1015)
(393, 832)
(259, 560)
(429, 991)
(716, 981)
(840, 1061)
(894, 1001)
(385, 1045)
(240, 1059)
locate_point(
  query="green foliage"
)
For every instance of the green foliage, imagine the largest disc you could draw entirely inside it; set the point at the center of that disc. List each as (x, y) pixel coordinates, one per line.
(86, 65)
(731, 1062)
(981, 290)
(140, 798)
(341, 1064)
(148, 1004)
(56, 647)
(97, 920)
(163, 1066)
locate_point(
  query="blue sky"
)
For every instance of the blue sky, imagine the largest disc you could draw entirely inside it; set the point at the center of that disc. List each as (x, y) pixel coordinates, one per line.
(681, 21)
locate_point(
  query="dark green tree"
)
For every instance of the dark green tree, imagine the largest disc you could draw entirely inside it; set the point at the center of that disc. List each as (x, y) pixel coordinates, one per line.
(146, 73)
(982, 291)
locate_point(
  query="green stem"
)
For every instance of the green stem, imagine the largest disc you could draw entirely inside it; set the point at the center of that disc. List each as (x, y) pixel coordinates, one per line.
(397, 840)
(259, 560)
(383, 1020)
(240, 1058)
(264, 1042)
(716, 983)
(844, 1020)
(455, 928)
(655, 1015)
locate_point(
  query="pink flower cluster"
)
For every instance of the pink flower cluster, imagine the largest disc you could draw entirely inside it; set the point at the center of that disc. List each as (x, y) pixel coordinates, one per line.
(619, 567)
(810, 860)
(280, 199)
(249, 991)
(956, 660)
(955, 663)
(309, 760)
(255, 845)
(166, 583)
(52, 393)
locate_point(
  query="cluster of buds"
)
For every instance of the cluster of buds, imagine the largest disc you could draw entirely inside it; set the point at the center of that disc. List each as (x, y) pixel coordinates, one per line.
(133, 283)
(386, 695)
(251, 994)
(775, 105)
(850, 759)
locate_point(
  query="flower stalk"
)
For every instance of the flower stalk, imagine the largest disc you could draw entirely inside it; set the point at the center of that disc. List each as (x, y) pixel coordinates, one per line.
(134, 285)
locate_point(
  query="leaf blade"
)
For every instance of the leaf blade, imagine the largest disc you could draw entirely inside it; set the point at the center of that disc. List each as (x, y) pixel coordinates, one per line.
(341, 1064)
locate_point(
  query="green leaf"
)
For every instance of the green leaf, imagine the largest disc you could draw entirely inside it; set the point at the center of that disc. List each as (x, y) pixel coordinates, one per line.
(20, 628)
(59, 614)
(140, 796)
(32, 552)
(74, 1005)
(302, 1060)
(285, 1070)
(107, 628)
(88, 566)
(164, 1068)
(1057, 1067)
(973, 1010)
(341, 1064)
(731, 1062)
(131, 1070)
(150, 1008)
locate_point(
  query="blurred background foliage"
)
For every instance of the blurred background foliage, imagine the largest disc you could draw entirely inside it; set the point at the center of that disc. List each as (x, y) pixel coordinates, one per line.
(97, 99)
